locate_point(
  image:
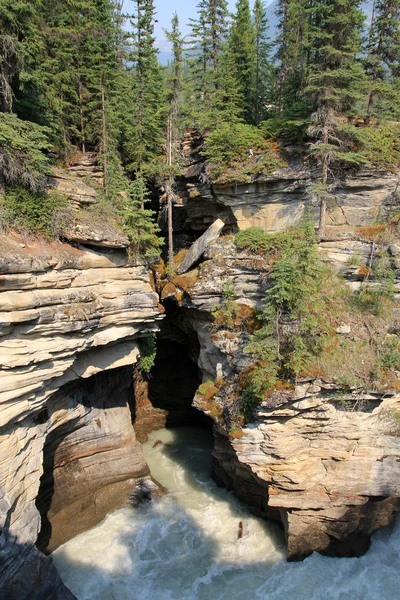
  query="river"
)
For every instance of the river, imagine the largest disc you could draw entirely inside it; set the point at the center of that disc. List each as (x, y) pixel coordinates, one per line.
(185, 546)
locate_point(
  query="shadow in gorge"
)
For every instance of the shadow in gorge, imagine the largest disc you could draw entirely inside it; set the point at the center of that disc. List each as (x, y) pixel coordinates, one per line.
(191, 452)
(46, 488)
(173, 382)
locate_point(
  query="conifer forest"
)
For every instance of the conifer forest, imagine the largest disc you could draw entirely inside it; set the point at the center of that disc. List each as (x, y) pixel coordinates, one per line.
(82, 76)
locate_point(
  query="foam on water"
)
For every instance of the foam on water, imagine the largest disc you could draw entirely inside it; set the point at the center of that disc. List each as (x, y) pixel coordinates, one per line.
(184, 546)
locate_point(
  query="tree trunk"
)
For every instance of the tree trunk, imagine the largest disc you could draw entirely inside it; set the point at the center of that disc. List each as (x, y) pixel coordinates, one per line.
(82, 120)
(170, 234)
(104, 141)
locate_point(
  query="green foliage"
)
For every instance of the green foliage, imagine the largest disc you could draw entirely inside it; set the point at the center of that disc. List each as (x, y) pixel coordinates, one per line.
(237, 152)
(289, 125)
(226, 312)
(242, 48)
(22, 158)
(390, 357)
(35, 212)
(148, 352)
(147, 108)
(295, 293)
(256, 240)
(205, 387)
(379, 145)
(373, 297)
(138, 221)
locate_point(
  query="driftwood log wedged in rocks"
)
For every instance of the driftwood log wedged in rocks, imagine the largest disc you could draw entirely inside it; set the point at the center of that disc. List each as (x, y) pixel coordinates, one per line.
(200, 245)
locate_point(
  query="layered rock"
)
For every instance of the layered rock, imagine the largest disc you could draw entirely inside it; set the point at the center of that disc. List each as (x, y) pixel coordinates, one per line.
(327, 469)
(331, 474)
(67, 314)
(358, 198)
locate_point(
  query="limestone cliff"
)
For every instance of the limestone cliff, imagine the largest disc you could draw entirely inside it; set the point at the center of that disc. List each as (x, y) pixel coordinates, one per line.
(317, 456)
(359, 197)
(71, 319)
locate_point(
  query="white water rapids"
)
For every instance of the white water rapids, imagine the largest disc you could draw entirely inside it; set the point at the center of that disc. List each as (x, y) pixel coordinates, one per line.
(184, 546)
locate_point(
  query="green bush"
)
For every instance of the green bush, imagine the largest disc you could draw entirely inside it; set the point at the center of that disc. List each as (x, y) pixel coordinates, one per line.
(379, 145)
(39, 213)
(148, 352)
(256, 240)
(226, 312)
(237, 152)
(22, 160)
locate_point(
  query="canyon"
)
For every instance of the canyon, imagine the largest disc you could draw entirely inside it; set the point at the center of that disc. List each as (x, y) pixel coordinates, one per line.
(75, 406)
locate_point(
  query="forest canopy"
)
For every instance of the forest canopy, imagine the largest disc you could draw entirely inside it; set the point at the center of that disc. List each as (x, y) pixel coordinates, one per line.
(79, 76)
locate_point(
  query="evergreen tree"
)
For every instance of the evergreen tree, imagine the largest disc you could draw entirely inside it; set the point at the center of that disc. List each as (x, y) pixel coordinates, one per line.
(334, 82)
(263, 69)
(144, 135)
(208, 33)
(175, 37)
(20, 46)
(383, 54)
(243, 49)
(293, 54)
(139, 222)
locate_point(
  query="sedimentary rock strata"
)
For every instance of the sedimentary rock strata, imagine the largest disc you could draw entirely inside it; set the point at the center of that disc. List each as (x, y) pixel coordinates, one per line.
(66, 315)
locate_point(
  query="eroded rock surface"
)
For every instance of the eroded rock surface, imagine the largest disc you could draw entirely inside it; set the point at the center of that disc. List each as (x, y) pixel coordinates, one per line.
(66, 315)
(328, 471)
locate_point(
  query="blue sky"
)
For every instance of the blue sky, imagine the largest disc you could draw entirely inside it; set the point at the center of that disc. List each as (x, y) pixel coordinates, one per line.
(165, 9)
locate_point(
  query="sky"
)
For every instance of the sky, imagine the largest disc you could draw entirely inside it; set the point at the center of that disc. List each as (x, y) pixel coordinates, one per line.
(165, 8)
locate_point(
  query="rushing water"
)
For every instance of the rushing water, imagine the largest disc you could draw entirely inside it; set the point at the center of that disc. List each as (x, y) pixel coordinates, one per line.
(184, 546)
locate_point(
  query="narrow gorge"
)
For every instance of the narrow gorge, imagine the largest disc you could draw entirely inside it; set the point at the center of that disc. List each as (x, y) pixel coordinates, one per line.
(318, 457)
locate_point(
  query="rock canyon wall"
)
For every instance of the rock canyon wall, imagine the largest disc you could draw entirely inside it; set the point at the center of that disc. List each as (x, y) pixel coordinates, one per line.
(72, 318)
(71, 322)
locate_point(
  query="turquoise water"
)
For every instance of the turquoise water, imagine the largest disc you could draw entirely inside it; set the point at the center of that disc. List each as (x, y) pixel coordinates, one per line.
(184, 546)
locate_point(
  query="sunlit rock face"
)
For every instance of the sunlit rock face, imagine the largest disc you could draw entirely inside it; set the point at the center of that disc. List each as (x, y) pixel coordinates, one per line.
(281, 200)
(327, 471)
(358, 198)
(70, 323)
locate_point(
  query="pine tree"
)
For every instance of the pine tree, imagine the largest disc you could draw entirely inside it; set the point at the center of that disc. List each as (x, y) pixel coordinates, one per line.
(334, 82)
(21, 45)
(243, 49)
(175, 37)
(139, 222)
(208, 33)
(263, 68)
(383, 54)
(144, 135)
(296, 18)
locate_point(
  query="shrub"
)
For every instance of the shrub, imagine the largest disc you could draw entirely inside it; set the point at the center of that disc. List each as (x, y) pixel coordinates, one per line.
(37, 212)
(148, 352)
(379, 145)
(207, 389)
(22, 160)
(237, 152)
(226, 312)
